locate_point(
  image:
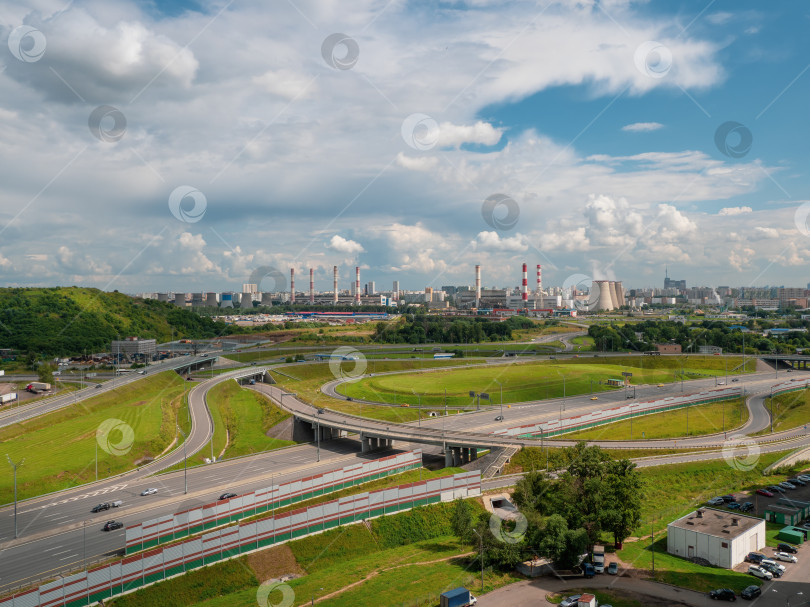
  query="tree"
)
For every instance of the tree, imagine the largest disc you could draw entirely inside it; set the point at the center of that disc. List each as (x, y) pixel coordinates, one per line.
(463, 521)
(623, 488)
(45, 373)
(497, 552)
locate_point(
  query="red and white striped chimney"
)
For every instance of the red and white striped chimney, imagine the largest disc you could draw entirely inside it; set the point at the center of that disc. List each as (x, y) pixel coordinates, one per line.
(525, 289)
(477, 286)
(292, 285)
(357, 285)
(539, 280)
(311, 286)
(334, 285)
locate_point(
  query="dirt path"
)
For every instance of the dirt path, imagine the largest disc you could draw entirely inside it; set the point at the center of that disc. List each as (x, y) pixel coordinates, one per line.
(377, 572)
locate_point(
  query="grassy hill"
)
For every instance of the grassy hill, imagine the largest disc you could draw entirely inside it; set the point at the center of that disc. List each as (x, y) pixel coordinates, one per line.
(72, 320)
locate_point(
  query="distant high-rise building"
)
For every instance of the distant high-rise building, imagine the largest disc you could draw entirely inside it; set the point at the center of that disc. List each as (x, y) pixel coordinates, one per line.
(396, 286)
(673, 284)
(250, 288)
(371, 288)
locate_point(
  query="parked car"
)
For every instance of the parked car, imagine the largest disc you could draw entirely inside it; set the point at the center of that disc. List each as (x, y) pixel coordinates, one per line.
(775, 489)
(789, 548)
(797, 481)
(786, 485)
(150, 491)
(806, 524)
(769, 566)
(764, 492)
(804, 477)
(723, 594)
(734, 506)
(759, 572)
(751, 592)
(571, 601)
(588, 570)
(100, 507)
(227, 496)
(113, 525)
(747, 507)
(499, 418)
(613, 569)
(735, 379)
(716, 501)
(784, 556)
(754, 557)
(729, 498)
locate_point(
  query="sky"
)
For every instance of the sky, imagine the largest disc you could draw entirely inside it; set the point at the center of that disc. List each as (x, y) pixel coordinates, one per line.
(196, 145)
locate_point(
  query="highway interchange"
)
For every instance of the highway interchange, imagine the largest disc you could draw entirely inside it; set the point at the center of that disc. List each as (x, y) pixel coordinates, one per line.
(61, 529)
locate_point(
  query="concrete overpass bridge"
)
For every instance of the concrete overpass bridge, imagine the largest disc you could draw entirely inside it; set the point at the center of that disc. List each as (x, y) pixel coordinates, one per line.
(782, 361)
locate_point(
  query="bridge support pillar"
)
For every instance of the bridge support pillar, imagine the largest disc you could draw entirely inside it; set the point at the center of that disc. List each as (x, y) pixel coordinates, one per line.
(473, 454)
(448, 457)
(365, 444)
(456, 456)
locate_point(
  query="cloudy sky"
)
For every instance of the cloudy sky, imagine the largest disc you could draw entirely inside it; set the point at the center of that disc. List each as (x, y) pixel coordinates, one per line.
(182, 145)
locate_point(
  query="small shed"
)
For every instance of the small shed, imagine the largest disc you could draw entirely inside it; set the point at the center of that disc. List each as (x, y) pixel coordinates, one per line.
(587, 600)
(782, 515)
(790, 535)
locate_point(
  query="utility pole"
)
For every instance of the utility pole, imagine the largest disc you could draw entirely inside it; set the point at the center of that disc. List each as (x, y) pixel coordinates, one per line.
(15, 466)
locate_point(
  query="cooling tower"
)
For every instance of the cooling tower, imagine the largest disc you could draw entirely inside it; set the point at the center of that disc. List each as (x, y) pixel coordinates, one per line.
(163, 296)
(246, 301)
(211, 300)
(292, 285)
(477, 286)
(614, 294)
(180, 299)
(620, 293)
(267, 299)
(227, 300)
(600, 298)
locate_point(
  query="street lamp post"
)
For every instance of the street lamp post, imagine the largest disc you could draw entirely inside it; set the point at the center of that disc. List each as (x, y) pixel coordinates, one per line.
(501, 388)
(185, 477)
(15, 466)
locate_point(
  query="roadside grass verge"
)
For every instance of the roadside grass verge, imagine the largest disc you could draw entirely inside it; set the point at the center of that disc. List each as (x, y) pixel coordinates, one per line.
(698, 420)
(790, 411)
(60, 448)
(534, 458)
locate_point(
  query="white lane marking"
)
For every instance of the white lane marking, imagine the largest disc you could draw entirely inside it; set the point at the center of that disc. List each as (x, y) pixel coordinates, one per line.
(54, 548)
(69, 557)
(63, 552)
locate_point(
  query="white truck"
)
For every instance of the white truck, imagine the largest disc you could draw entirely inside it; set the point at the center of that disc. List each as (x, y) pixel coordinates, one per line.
(599, 559)
(7, 398)
(40, 385)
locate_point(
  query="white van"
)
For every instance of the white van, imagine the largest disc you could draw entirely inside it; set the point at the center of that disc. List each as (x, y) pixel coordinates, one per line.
(116, 503)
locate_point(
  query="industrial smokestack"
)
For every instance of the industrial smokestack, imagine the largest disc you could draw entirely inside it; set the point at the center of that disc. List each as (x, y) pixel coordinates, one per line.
(334, 285)
(477, 286)
(357, 285)
(292, 285)
(525, 287)
(539, 280)
(311, 286)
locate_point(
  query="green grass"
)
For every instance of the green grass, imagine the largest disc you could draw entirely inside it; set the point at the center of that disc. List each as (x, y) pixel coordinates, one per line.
(59, 448)
(703, 419)
(535, 458)
(527, 381)
(678, 571)
(790, 411)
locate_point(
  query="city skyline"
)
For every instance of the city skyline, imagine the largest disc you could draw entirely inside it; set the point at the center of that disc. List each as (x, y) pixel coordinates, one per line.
(187, 144)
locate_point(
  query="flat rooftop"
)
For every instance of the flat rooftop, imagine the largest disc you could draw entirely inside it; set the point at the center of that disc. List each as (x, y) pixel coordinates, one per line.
(719, 523)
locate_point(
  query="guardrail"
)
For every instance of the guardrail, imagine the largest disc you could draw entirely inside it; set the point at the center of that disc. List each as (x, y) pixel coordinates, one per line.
(133, 572)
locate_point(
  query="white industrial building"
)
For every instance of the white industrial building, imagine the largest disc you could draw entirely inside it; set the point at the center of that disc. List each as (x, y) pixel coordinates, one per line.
(721, 537)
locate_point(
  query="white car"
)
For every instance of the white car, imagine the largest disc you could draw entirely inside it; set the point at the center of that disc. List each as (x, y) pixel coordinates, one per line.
(758, 571)
(149, 491)
(716, 501)
(784, 556)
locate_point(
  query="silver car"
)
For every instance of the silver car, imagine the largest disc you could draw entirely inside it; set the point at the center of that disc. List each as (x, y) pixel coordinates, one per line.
(784, 556)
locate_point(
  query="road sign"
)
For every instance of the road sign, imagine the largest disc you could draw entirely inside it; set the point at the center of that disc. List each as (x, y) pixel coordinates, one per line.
(626, 374)
(484, 395)
(472, 393)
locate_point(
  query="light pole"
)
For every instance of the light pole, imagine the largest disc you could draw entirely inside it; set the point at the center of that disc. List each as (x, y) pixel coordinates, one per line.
(318, 434)
(15, 466)
(84, 544)
(185, 478)
(481, 537)
(313, 595)
(501, 387)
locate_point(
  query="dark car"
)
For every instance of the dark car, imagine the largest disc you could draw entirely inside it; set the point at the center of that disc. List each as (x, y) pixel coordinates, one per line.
(723, 594)
(797, 481)
(100, 507)
(747, 507)
(754, 557)
(227, 496)
(775, 489)
(588, 570)
(751, 592)
(775, 570)
(728, 498)
(499, 418)
(113, 525)
(790, 549)
(734, 506)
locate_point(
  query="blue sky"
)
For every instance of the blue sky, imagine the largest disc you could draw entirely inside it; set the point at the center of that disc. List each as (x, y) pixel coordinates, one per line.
(303, 158)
